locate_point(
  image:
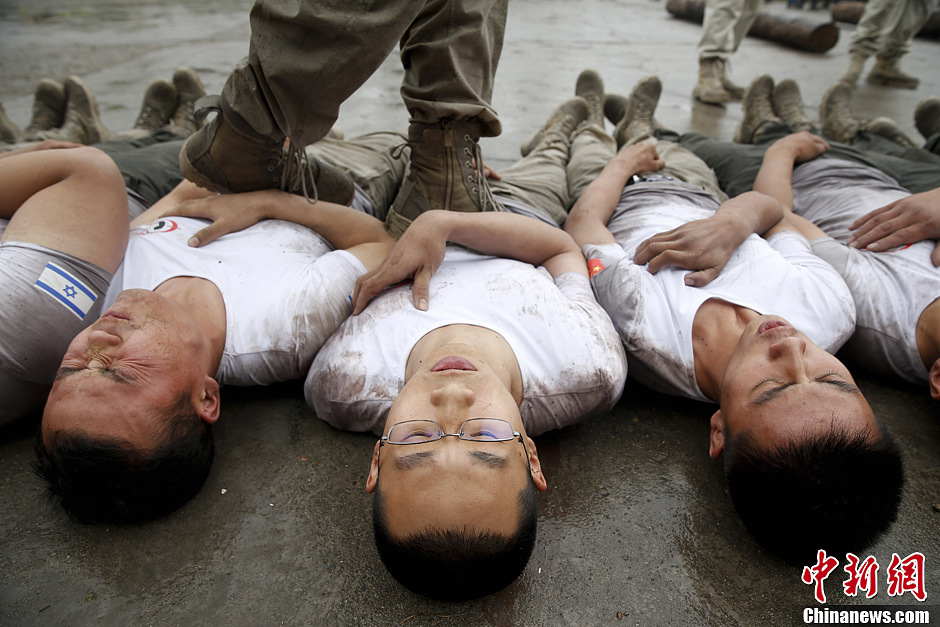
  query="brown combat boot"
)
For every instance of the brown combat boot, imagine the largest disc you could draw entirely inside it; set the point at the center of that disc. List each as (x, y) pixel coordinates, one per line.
(734, 90)
(48, 107)
(589, 87)
(886, 72)
(637, 120)
(888, 128)
(157, 108)
(927, 117)
(9, 133)
(445, 172)
(227, 156)
(190, 89)
(788, 105)
(562, 123)
(835, 114)
(758, 109)
(856, 65)
(82, 123)
(710, 87)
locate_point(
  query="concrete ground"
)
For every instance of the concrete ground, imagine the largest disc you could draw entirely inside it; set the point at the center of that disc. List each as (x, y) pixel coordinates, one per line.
(636, 529)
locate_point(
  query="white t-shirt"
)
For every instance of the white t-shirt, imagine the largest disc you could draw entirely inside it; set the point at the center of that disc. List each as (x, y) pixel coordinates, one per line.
(891, 289)
(285, 291)
(571, 359)
(654, 313)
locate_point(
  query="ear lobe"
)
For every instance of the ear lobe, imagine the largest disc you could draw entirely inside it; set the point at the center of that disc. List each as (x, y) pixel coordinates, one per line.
(373, 479)
(535, 466)
(209, 402)
(716, 435)
(934, 379)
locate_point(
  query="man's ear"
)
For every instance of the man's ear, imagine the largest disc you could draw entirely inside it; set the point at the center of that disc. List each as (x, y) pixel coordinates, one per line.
(535, 466)
(934, 379)
(208, 401)
(373, 479)
(716, 435)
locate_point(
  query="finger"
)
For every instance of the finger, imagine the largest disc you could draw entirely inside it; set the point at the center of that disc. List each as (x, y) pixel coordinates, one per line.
(669, 258)
(900, 237)
(935, 255)
(658, 164)
(419, 288)
(491, 174)
(878, 227)
(209, 234)
(365, 291)
(872, 214)
(702, 277)
(652, 247)
(880, 231)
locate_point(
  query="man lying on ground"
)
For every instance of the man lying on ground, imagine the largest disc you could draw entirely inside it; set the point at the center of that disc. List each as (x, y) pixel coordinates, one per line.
(752, 329)
(864, 215)
(126, 432)
(499, 339)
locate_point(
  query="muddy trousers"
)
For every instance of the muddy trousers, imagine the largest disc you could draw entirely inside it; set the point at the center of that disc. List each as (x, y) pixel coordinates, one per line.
(887, 27)
(725, 26)
(736, 165)
(372, 161)
(306, 57)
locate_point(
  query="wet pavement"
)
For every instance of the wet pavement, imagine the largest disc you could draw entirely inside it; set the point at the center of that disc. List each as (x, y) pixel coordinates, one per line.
(636, 528)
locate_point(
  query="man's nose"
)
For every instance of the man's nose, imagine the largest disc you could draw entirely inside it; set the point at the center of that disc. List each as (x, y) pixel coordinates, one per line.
(99, 339)
(790, 353)
(455, 395)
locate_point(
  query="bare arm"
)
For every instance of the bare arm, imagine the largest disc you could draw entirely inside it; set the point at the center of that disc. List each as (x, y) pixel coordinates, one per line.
(587, 220)
(342, 226)
(776, 176)
(420, 250)
(186, 190)
(70, 200)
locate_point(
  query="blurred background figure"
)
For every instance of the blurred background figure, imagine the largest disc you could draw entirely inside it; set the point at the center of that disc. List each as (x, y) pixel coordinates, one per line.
(726, 24)
(886, 30)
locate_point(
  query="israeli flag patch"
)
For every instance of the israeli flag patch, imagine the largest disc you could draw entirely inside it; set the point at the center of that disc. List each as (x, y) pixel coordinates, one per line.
(66, 290)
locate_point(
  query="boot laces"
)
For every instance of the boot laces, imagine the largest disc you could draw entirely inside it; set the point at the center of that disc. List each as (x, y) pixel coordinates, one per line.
(477, 177)
(297, 172)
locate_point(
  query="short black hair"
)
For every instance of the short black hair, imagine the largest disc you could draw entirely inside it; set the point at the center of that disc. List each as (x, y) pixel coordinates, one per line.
(836, 491)
(101, 480)
(457, 564)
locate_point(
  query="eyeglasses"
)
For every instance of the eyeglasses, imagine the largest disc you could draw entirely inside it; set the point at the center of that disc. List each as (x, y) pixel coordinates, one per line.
(472, 430)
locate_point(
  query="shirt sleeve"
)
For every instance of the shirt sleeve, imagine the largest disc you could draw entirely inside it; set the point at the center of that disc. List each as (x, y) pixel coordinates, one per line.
(331, 283)
(836, 254)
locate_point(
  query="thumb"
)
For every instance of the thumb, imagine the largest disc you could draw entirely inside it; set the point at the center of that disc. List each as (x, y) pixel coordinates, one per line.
(935, 255)
(702, 277)
(206, 235)
(419, 288)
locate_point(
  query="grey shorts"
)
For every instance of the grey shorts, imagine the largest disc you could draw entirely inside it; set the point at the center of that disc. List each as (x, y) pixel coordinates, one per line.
(48, 298)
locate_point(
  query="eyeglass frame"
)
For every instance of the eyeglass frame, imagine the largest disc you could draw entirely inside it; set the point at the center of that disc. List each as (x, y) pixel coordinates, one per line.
(443, 434)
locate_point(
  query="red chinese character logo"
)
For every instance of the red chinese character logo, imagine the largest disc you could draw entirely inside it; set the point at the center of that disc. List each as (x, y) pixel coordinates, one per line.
(907, 575)
(595, 267)
(819, 572)
(862, 575)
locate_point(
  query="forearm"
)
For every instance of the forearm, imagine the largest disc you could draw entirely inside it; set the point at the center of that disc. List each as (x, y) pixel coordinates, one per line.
(776, 175)
(344, 227)
(186, 190)
(754, 212)
(587, 220)
(500, 234)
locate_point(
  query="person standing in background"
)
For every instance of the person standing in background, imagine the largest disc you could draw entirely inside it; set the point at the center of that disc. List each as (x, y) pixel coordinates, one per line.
(726, 24)
(886, 30)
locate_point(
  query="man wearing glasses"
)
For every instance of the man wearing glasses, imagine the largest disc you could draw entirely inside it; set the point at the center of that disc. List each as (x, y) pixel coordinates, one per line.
(499, 339)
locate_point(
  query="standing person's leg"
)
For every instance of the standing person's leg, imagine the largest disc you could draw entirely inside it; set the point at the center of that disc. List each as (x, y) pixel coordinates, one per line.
(450, 54)
(725, 25)
(867, 37)
(373, 163)
(907, 18)
(537, 185)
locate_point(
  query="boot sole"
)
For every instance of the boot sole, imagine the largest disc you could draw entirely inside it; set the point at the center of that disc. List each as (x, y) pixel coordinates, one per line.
(892, 82)
(192, 174)
(720, 100)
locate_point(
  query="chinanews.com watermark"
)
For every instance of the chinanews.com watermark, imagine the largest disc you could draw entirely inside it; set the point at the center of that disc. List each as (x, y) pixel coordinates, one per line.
(902, 576)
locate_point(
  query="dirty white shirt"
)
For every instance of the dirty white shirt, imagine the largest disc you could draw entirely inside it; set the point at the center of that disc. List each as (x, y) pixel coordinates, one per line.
(285, 290)
(891, 289)
(654, 312)
(569, 354)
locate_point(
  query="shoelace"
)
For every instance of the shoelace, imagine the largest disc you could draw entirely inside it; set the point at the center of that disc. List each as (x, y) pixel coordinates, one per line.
(484, 193)
(296, 163)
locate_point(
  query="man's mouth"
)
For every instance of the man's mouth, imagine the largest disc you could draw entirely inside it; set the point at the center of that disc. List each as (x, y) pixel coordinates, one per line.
(452, 362)
(771, 324)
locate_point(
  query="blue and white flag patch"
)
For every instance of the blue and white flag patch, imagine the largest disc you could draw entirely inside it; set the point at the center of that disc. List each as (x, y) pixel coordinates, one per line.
(66, 289)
